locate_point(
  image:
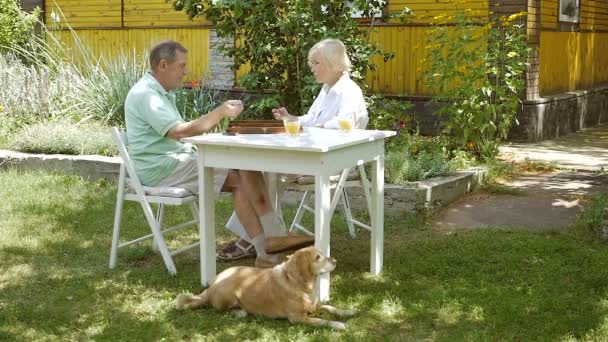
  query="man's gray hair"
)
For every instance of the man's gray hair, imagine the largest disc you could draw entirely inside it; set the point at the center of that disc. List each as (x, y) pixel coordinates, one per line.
(165, 50)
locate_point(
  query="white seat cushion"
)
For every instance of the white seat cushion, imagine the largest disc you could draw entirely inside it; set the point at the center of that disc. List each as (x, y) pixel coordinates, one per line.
(162, 191)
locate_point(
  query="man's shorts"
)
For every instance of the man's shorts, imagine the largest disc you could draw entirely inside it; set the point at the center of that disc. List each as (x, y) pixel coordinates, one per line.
(185, 176)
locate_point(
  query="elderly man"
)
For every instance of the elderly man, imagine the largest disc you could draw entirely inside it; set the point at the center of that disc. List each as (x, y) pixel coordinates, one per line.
(154, 130)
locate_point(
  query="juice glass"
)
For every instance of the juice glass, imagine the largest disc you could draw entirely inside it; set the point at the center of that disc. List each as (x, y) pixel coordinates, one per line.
(346, 122)
(292, 126)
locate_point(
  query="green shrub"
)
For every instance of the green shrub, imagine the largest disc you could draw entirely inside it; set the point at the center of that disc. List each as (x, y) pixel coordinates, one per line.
(16, 25)
(388, 114)
(64, 138)
(477, 67)
(34, 93)
(274, 37)
(591, 224)
(401, 168)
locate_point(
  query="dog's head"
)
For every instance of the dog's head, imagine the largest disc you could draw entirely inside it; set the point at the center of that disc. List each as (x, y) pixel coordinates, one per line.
(309, 262)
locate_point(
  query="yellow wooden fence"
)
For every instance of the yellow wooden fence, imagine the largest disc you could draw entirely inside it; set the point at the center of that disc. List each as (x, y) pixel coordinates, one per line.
(569, 60)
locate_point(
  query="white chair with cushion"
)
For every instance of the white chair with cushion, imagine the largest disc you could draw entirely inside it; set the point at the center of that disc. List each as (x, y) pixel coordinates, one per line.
(131, 189)
(339, 183)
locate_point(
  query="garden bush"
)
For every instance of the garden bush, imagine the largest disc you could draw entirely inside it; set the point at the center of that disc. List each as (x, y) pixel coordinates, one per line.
(16, 25)
(64, 138)
(477, 69)
(274, 37)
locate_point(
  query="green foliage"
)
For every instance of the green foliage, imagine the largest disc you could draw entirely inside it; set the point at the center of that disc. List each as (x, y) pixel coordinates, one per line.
(478, 285)
(64, 138)
(592, 224)
(498, 170)
(401, 168)
(477, 68)
(16, 25)
(388, 114)
(201, 99)
(61, 83)
(273, 39)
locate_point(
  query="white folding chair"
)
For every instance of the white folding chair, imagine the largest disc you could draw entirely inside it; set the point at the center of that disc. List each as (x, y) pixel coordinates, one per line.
(338, 185)
(130, 189)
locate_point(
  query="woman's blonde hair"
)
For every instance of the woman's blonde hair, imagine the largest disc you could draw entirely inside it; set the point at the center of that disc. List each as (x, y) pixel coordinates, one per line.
(333, 53)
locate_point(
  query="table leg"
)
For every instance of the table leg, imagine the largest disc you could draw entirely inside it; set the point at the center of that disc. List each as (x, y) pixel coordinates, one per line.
(207, 221)
(322, 218)
(274, 192)
(377, 215)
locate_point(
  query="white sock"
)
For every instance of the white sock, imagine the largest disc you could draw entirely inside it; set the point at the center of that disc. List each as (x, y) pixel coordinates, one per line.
(272, 224)
(259, 243)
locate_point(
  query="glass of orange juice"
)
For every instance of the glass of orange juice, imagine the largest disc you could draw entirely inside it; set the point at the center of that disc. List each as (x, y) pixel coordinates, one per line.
(346, 122)
(292, 125)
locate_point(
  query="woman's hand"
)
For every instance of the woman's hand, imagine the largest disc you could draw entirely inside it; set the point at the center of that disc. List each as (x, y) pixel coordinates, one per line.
(280, 113)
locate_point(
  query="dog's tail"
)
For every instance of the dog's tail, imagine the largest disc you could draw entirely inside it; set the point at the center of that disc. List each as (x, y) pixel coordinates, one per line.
(187, 301)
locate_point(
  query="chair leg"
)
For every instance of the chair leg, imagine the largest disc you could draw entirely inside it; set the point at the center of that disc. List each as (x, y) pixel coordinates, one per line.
(300, 213)
(160, 215)
(117, 217)
(348, 215)
(194, 210)
(158, 237)
(366, 189)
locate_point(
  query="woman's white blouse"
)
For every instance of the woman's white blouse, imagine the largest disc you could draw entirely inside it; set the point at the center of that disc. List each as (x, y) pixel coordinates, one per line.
(332, 102)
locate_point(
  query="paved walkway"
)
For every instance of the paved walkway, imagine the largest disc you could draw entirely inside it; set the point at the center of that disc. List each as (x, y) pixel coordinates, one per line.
(545, 202)
(584, 150)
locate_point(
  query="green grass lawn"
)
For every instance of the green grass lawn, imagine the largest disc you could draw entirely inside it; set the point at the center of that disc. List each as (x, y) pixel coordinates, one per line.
(55, 234)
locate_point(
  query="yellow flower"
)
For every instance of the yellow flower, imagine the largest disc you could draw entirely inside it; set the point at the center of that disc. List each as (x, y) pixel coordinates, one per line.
(512, 54)
(1, 108)
(516, 15)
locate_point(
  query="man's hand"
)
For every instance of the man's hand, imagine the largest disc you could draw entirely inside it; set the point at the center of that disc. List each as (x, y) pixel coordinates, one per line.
(280, 113)
(231, 108)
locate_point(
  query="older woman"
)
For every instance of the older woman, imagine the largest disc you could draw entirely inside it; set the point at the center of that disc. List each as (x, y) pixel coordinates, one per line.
(339, 97)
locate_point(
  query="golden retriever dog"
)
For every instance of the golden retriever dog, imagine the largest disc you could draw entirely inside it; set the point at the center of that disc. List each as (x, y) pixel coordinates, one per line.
(284, 291)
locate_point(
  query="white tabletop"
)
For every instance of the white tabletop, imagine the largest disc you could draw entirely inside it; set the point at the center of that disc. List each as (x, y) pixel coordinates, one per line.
(311, 140)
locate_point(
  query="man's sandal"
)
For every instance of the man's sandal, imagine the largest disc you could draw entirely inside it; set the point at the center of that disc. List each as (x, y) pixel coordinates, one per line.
(231, 251)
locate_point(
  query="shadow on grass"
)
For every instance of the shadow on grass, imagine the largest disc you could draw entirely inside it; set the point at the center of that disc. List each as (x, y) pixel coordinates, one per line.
(462, 286)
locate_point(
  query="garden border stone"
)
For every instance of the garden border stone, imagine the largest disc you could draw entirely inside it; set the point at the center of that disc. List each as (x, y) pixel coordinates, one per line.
(429, 193)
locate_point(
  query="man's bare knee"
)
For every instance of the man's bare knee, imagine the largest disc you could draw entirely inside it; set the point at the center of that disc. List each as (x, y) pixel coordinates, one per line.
(233, 181)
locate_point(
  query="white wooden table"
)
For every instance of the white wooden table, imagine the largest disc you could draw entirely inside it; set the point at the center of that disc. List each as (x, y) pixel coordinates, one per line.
(318, 152)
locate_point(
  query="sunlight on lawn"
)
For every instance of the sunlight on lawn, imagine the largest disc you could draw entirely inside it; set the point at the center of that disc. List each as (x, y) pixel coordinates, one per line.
(480, 285)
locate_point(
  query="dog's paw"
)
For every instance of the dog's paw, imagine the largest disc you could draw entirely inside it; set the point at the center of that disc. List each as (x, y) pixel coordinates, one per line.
(240, 313)
(337, 325)
(182, 301)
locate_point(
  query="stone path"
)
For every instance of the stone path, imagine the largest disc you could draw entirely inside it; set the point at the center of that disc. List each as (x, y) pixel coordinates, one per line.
(545, 202)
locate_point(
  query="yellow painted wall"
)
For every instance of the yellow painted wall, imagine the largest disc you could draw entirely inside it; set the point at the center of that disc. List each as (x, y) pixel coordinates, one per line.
(83, 13)
(402, 74)
(107, 13)
(425, 10)
(111, 43)
(548, 14)
(568, 60)
(572, 60)
(594, 15)
(107, 31)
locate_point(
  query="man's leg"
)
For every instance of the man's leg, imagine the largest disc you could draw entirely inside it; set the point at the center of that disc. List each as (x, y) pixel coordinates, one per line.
(248, 213)
(255, 189)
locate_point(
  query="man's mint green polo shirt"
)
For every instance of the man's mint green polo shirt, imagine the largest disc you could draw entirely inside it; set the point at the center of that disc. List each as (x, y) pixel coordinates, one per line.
(150, 112)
